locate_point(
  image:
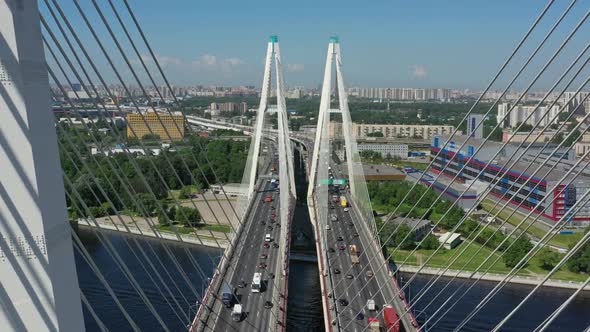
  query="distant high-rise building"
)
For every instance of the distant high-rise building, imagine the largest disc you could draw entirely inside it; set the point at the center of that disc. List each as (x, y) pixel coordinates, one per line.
(475, 125)
(513, 116)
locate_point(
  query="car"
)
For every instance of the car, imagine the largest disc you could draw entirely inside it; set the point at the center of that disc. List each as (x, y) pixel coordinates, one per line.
(266, 245)
(369, 274)
(402, 296)
(242, 284)
(272, 221)
(342, 247)
(272, 207)
(331, 207)
(269, 228)
(263, 222)
(331, 249)
(350, 224)
(271, 275)
(360, 316)
(340, 238)
(355, 234)
(267, 304)
(263, 256)
(343, 302)
(336, 271)
(275, 245)
(349, 276)
(345, 209)
(262, 266)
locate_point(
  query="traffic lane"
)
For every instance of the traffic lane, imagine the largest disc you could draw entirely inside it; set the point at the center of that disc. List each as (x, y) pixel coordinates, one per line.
(262, 314)
(249, 262)
(234, 280)
(351, 287)
(247, 267)
(368, 286)
(342, 261)
(227, 322)
(244, 264)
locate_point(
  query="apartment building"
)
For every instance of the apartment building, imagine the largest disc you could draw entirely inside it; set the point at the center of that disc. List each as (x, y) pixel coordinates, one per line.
(168, 127)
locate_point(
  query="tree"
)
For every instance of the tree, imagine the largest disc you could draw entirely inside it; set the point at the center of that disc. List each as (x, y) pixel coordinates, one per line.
(185, 192)
(517, 251)
(150, 137)
(187, 217)
(547, 258)
(580, 260)
(375, 134)
(405, 238)
(430, 242)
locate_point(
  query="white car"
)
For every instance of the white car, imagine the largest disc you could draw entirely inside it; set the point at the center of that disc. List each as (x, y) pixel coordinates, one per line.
(345, 209)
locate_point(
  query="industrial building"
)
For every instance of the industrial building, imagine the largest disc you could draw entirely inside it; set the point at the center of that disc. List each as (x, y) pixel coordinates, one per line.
(511, 174)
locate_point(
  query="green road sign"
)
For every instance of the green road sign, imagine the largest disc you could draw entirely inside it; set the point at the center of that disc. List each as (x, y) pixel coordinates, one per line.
(341, 182)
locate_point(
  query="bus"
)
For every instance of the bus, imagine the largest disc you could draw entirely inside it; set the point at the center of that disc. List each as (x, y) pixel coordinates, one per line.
(343, 201)
(257, 282)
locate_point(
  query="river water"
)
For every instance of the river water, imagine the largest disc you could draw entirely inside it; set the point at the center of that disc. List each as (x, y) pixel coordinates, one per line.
(304, 307)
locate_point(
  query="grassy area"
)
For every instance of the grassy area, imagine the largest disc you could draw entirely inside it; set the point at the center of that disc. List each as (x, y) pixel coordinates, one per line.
(216, 228)
(170, 229)
(173, 194)
(473, 256)
(404, 163)
(443, 257)
(559, 240)
(187, 230)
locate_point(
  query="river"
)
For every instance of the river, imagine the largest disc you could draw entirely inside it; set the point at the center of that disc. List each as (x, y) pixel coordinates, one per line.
(304, 306)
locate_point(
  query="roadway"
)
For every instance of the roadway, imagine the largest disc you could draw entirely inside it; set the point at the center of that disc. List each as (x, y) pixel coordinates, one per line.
(352, 277)
(379, 287)
(245, 262)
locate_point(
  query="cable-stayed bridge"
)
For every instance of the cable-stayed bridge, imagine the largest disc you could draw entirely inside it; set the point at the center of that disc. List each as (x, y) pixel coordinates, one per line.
(42, 44)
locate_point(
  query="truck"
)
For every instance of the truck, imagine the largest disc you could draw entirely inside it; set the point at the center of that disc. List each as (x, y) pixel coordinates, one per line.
(353, 254)
(371, 304)
(391, 319)
(236, 314)
(227, 295)
(374, 324)
(343, 201)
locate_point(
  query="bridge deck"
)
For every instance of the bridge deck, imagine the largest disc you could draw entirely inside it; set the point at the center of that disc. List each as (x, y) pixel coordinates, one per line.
(381, 287)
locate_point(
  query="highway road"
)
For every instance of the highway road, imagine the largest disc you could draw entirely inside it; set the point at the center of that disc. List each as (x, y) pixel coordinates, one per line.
(351, 279)
(352, 231)
(245, 262)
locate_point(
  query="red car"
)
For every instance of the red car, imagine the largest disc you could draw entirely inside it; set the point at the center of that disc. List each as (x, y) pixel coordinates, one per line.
(266, 245)
(268, 199)
(342, 247)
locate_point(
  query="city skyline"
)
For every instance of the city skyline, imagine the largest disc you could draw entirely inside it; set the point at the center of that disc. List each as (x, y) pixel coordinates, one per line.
(388, 44)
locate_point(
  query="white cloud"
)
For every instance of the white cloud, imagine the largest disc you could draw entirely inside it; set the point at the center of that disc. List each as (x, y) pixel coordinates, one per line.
(294, 67)
(206, 62)
(419, 71)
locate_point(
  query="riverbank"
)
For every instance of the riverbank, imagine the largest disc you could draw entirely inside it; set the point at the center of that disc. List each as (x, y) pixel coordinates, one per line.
(497, 277)
(205, 238)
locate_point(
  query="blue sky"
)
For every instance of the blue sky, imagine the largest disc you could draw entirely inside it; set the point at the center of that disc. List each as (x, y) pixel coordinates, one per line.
(434, 43)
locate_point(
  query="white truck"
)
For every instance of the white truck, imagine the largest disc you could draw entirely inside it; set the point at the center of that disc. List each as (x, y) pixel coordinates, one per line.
(371, 304)
(236, 314)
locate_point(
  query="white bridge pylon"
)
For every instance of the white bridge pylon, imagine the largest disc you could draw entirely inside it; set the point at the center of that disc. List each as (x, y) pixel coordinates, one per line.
(286, 175)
